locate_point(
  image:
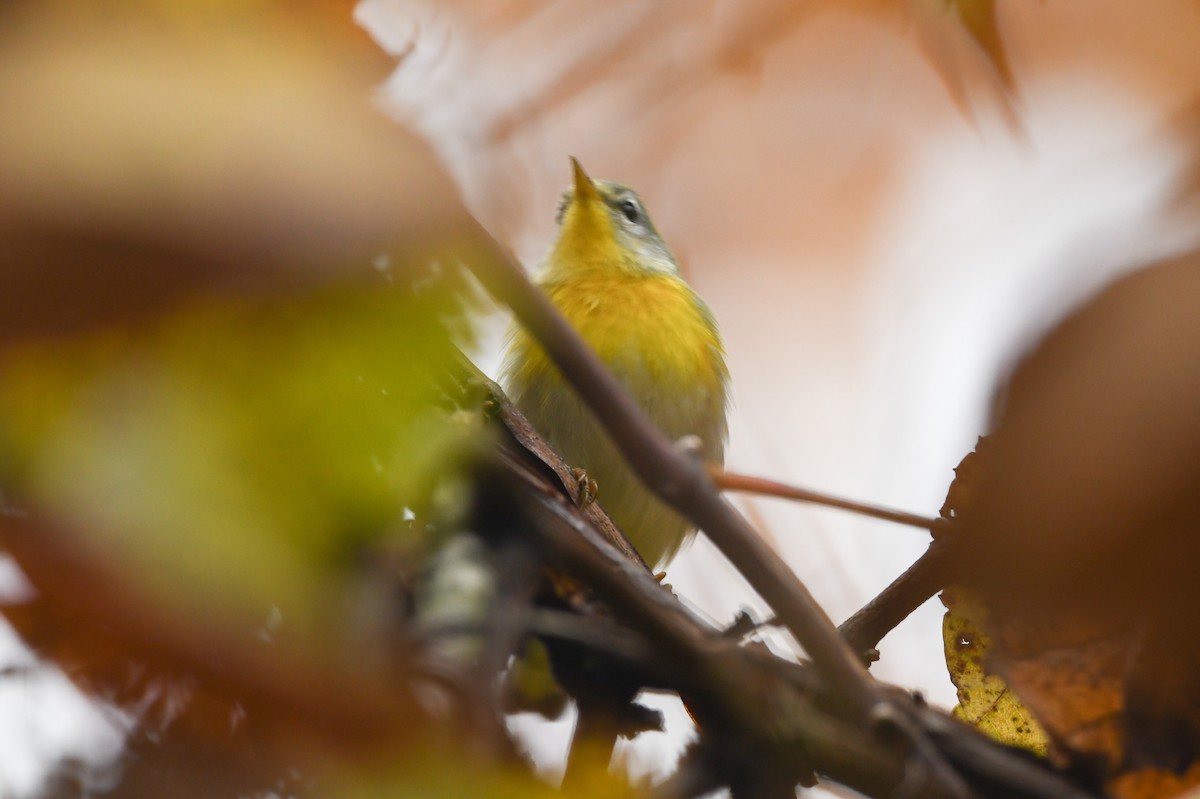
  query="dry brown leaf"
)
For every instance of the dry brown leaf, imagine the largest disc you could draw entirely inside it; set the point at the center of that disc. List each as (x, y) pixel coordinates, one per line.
(157, 150)
(1154, 783)
(1082, 534)
(1073, 684)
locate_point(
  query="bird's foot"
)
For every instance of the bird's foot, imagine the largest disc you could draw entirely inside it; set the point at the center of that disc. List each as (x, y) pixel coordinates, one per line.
(586, 489)
(691, 446)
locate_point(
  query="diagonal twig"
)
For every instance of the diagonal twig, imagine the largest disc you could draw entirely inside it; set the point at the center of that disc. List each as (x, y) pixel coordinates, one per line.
(867, 627)
(730, 481)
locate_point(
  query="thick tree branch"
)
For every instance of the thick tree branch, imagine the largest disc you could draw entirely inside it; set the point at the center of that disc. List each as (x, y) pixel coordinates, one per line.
(756, 711)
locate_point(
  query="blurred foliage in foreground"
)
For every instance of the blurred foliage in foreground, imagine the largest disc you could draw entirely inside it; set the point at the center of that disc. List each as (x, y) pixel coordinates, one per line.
(239, 456)
(228, 290)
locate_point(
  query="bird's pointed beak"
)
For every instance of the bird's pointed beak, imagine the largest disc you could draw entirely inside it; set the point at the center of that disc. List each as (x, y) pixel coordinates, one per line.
(585, 190)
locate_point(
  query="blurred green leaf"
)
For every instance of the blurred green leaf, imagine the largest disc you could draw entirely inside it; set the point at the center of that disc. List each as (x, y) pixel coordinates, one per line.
(234, 458)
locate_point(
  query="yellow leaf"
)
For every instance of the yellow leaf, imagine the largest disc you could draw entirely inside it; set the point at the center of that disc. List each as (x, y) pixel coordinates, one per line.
(984, 700)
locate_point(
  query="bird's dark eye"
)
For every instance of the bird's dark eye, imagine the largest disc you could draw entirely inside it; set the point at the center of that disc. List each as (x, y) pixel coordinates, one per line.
(630, 210)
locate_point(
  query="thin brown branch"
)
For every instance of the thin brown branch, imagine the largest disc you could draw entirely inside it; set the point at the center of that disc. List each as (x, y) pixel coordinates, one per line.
(682, 483)
(730, 481)
(867, 627)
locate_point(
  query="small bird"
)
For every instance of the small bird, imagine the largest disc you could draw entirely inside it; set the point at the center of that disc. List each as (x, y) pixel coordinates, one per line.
(612, 277)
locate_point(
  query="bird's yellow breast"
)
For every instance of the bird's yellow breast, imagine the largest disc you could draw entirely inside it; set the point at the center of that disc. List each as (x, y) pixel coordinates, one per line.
(659, 340)
(650, 328)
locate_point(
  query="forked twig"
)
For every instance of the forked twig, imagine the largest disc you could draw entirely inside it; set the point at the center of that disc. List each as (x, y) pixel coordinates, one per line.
(758, 712)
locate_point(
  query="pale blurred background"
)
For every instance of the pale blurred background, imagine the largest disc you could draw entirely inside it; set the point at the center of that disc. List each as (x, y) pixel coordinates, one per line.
(878, 224)
(880, 207)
